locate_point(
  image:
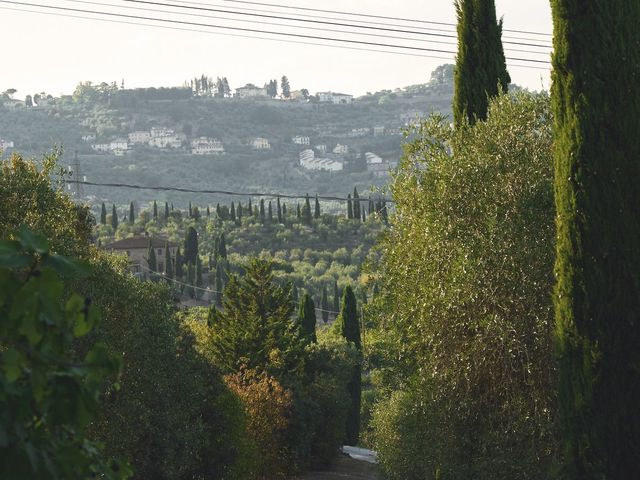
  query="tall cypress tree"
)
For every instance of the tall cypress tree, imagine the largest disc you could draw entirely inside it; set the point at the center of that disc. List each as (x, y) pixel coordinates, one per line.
(324, 304)
(114, 218)
(190, 210)
(168, 261)
(166, 210)
(191, 246)
(270, 209)
(239, 214)
(356, 204)
(250, 208)
(349, 207)
(222, 247)
(481, 67)
(103, 215)
(279, 210)
(151, 260)
(262, 214)
(596, 101)
(307, 318)
(298, 213)
(208, 212)
(132, 214)
(306, 211)
(155, 210)
(284, 211)
(336, 297)
(191, 279)
(348, 326)
(233, 212)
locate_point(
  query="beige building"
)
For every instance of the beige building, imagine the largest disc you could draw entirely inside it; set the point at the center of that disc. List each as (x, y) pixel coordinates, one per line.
(137, 251)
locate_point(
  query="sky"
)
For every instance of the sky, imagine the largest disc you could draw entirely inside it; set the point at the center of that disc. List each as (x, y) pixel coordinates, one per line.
(53, 53)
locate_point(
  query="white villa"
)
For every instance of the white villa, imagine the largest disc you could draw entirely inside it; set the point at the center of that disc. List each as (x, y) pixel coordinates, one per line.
(90, 137)
(309, 161)
(300, 140)
(378, 130)
(341, 149)
(376, 165)
(260, 144)
(335, 98)
(207, 146)
(322, 148)
(4, 144)
(250, 90)
(119, 144)
(101, 147)
(139, 137)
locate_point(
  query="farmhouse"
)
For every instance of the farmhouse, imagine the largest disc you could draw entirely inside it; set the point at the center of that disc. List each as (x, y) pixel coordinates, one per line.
(137, 251)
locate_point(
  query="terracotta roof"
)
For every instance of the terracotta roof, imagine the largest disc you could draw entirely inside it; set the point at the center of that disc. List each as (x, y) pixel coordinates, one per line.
(134, 243)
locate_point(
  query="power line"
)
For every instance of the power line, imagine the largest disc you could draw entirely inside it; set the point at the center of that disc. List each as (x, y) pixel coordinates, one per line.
(386, 24)
(225, 192)
(369, 15)
(235, 35)
(261, 22)
(251, 30)
(340, 24)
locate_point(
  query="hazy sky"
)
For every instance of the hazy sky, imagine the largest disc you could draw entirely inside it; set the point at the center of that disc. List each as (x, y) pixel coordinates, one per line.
(53, 53)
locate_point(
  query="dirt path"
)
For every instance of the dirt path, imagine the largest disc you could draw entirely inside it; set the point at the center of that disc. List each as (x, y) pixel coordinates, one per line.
(346, 468)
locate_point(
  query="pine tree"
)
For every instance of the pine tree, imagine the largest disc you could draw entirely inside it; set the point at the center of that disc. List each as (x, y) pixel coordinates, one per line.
(481, 68)
(132, 214)
(285, 87)
(114, 218)
(155, 210)
(103, 215)
(168, 262)
(191, 246)
(324, 305)
(316, 213)
(348, 325)
(349, 207)
(279, 210)
(166, 211)
(596, 98)
(307, 318)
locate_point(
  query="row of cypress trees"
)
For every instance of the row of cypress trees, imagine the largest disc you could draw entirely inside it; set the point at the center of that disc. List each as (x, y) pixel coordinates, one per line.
(596, 103)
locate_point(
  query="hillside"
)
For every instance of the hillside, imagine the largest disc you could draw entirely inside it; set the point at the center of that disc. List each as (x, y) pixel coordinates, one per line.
(105, 113)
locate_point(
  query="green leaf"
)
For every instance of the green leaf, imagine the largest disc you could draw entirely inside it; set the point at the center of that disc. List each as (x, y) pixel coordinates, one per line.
(13, 362)
(32, 241)
(15, 260)
(9, 247)
(66, 266)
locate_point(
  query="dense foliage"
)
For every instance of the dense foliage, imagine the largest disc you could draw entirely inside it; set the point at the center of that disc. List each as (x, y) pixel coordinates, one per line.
(596, 99)
(466, 300)
(48, 397)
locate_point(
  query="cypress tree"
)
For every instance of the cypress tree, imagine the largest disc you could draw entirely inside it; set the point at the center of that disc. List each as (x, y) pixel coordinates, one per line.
(481, 68)
(596, 101)
(336, 297)
(356, 204)
(239, 214)
(114, 218)
(279, 210)
(191, 278)
(103, 215)
(172, 206)
(168, 262)
(218, 211)
(166, 211)
(132, 214)
(324, 305)
(195, 212)
(179, 264)
(233, 212)
(155, 210)
(190, 211)
(262, 214)
(348, 326)
(151, 260)
(270, 210)
(255, 211)
(306, 211)
(284, 211)
(250, 208)
(222, 247)
(298, 212)
(316, 213)
(307, 318)
(198, 275)
(208, 212)
(349, 207)
(191, 246)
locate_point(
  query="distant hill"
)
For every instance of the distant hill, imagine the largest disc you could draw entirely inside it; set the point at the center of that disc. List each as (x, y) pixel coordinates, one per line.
(104, 113)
